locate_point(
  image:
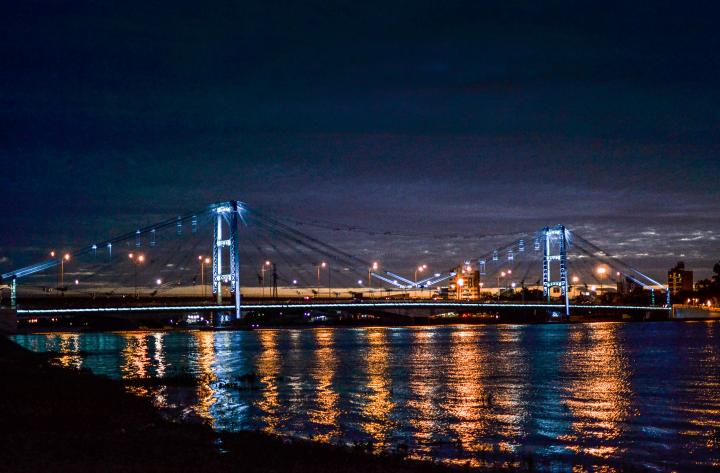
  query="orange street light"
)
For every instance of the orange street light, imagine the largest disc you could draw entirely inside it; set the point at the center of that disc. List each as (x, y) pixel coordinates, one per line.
(374, 268)
(203, 262)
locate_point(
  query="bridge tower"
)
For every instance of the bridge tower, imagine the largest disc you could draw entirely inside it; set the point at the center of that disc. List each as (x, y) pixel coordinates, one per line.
(226, 217)
(556, 243)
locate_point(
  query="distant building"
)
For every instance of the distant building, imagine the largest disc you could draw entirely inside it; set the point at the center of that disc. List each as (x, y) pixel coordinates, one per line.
(679, 279)
(466, 284)
(628, 285)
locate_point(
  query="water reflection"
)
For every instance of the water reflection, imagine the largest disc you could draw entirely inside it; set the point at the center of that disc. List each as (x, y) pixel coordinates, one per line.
(379, 405)
(135, 361)
(505, 398)
(325, 413)
(268, 369)
(599, 394)
(205, 350)
(424, 387)
(584, 397)
(69, 349)
(467, 400)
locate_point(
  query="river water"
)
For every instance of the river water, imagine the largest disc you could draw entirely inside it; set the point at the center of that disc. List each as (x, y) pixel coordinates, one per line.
(601, 396)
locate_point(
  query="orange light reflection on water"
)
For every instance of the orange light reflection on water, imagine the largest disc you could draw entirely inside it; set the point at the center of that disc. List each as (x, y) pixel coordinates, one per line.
(206, 396)
(322, 372)
(599, 393)
(69, 350)
(379, 404)
(467, 396)
(135, 361)
(268, 369)
(424, 387)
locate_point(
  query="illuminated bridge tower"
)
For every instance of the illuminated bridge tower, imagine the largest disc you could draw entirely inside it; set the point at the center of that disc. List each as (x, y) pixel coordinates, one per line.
(226, 218)
(555, 249)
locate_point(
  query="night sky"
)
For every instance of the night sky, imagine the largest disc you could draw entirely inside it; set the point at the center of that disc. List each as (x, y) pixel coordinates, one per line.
(426, 117)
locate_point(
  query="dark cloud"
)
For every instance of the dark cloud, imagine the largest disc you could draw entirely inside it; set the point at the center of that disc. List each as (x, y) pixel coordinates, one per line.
(474, 116)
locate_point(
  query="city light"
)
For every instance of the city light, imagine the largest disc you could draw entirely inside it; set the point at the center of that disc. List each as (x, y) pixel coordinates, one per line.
(158, 281)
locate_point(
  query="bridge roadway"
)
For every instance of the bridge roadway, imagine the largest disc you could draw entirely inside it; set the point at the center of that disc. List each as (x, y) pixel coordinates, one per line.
(335, 305)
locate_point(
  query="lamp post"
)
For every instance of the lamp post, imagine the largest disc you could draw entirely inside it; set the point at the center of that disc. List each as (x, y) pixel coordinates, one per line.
(501, 275)
(575, 280)
(374, 268)
(61, 274)
(203, 262)
(136, 259)
(262, 277)
(66, 257)
(602, 270)
(420, 269)
(321, 265)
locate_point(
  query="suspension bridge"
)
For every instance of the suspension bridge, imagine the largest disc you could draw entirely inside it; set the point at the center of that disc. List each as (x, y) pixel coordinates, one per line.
(233, 259)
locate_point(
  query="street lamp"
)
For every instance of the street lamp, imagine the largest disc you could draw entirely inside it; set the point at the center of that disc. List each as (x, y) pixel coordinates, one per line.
(420, 268)
(602, 270)
(501, 275)
(203, 262)
(136, 259)
(66, 257)
(265, 265)
(321, 265)
(374, 268)
(460, 284)
(575, 280)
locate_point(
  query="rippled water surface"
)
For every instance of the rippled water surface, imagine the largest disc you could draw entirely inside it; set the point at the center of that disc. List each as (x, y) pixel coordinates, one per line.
(597, 395)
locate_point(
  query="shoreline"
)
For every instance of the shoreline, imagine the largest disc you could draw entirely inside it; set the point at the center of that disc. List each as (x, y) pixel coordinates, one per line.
(60, 419)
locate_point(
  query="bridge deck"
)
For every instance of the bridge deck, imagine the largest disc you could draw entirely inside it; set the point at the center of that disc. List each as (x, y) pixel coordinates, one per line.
(336, 305)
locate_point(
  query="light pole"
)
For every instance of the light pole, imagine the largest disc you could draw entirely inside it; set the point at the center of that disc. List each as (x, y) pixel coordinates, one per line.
(501, 275)
(321, 265)
(374, 268)
(601, 271)
(203, 262)
(575, 280)
(262, 277)
(66, 257)
(420, 269)
(136, 259)
(329, 285)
